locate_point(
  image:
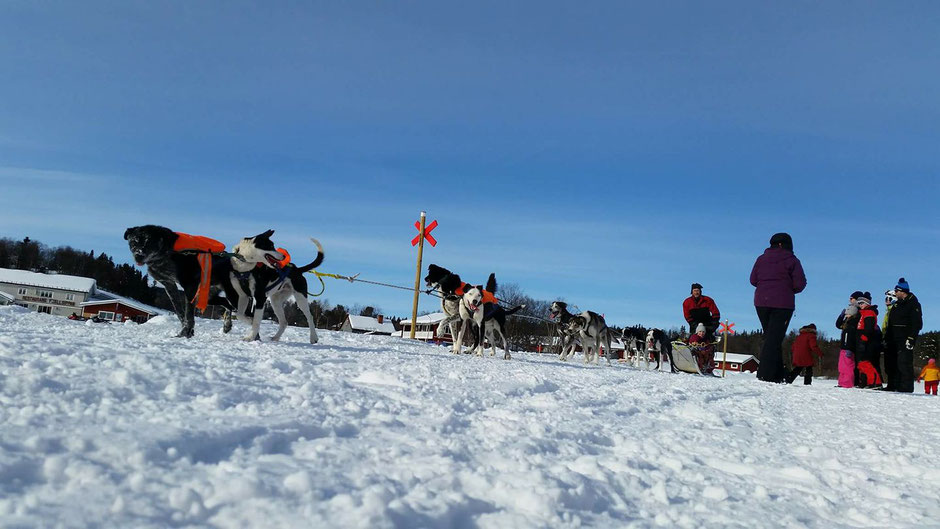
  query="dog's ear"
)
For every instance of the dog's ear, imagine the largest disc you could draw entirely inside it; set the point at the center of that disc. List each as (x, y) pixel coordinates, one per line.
(267, 234)
(127, 233)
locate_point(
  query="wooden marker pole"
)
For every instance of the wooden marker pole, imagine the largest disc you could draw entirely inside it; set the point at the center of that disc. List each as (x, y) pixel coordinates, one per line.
(724, 356)
(414, 308)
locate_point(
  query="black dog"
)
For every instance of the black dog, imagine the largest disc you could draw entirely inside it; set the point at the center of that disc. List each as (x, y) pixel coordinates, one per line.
(153, 246)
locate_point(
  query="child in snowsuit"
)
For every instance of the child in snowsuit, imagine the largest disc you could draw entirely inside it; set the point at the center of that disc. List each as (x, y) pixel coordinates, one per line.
(868, 346)
(703, 350)
(931, 377)
(805, 350)
(848, 323)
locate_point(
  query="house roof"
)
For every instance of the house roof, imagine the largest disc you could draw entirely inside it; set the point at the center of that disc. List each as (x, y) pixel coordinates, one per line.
(365, 323)
(434, 317)
(738, 358)
(56, 281)
(6, 296)
(103, 296)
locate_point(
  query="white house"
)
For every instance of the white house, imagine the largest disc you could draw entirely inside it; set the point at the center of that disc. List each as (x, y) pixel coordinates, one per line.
(426, 329)
(367, 325)
(56, 294)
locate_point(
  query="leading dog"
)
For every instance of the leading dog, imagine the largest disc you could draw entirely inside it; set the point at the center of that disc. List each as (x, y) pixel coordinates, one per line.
(589, 326)
(489, 318)
(274, 280)
(153, 246)
(658, 344)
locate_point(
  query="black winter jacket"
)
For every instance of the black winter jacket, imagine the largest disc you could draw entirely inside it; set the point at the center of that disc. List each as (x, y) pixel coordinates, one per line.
(905, 319)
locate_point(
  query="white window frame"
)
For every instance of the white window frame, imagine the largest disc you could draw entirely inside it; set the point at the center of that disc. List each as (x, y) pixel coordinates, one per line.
(22, 291)
(70, 297)
(110, 314)
(734, 366)
(43, 293)
(44, 309)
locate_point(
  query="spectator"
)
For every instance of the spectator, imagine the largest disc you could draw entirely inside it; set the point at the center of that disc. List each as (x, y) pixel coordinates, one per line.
(904, 323)
(701, 309)
(805, 350)
(848, 323)
(778, 276)
(868, 345)
(931, 377)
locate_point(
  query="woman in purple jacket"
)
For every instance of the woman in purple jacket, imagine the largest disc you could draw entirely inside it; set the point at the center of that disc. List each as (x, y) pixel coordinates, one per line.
(778, 276)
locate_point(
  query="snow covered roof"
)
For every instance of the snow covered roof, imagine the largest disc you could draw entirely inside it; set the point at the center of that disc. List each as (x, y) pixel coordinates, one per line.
(57, 281)
(6, 296)
(738, 358)
(434, 317)
(365, 323)
(108, 297)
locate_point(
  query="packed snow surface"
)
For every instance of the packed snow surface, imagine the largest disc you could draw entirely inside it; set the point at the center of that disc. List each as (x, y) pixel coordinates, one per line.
(125, 426)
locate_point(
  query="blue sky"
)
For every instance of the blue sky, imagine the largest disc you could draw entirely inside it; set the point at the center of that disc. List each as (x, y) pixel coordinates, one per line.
(608, 153)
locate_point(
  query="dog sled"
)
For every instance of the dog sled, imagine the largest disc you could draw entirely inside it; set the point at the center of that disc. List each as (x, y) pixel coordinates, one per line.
(684, 356)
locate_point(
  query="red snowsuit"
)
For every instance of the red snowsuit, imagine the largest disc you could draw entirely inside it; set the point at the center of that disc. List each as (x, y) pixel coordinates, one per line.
(701, 310)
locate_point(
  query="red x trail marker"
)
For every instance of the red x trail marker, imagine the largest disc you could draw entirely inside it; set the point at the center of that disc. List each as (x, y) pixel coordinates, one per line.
(427, 233)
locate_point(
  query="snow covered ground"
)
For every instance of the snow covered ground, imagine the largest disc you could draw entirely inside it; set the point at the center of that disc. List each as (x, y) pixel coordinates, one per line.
(124, 426)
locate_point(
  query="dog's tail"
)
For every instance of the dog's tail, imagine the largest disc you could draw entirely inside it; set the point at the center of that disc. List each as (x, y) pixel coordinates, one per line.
(491, 284)
(514, 310)
(316, 262)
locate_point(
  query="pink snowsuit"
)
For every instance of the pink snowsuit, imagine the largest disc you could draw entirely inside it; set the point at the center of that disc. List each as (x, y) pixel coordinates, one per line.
(846, 369)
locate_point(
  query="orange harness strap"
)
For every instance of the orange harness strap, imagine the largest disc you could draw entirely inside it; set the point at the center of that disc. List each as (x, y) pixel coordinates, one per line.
(205, 248)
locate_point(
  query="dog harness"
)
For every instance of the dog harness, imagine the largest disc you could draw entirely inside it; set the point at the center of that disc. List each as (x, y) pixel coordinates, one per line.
(282, 270)
(204, 248)
(488, 296)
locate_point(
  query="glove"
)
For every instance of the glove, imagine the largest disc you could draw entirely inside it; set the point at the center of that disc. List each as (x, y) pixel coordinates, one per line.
(909, 344)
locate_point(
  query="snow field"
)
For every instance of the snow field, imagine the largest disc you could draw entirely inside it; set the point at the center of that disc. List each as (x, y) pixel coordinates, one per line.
(126, 426)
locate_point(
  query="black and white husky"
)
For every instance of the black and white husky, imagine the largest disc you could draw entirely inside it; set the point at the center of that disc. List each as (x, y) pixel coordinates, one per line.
(255, 284)
(489, 319)
(659, 345)
(590, 328)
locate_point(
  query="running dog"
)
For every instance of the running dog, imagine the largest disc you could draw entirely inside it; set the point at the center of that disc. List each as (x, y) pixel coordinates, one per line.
(489, 318)
(634, 341)
(171, 262)
(588, 326)
(276, 280)
(659, 345)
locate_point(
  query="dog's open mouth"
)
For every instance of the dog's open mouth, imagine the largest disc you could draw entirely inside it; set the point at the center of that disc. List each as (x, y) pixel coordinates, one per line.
(273, 261)
(551, 316)
(139, 259)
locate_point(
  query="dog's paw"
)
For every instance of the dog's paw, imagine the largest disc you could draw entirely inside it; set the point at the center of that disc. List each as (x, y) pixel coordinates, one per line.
(507, 357)
(275, 339)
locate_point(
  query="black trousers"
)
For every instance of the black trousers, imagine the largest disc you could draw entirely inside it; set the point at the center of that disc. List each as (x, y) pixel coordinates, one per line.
(891, 364)
(904, 365)
(807, 375)
(775, 323)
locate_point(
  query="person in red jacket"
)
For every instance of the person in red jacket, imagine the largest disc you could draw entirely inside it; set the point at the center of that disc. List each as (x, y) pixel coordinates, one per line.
(701, 309)
(804, 348)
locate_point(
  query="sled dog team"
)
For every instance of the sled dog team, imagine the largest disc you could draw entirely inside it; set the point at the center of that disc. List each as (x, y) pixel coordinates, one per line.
(190, 267)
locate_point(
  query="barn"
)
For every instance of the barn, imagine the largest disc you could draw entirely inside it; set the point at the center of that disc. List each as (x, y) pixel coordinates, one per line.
(740, 362)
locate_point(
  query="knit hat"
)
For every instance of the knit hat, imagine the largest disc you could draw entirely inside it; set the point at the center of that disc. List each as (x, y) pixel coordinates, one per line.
(857, 294)
(903, 286)
(783, 239)
(694, 286)
(931, 361)
(700, 327)
(863, 299)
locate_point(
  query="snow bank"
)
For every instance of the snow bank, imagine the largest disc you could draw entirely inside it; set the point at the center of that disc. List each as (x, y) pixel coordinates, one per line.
(125, 426)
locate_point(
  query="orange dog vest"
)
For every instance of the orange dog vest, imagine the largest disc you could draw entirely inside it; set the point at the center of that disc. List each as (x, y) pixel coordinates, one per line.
(206, 247)
(488, 296)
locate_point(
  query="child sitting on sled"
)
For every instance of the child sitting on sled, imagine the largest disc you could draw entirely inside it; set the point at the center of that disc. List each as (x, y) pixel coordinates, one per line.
(703, 350)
